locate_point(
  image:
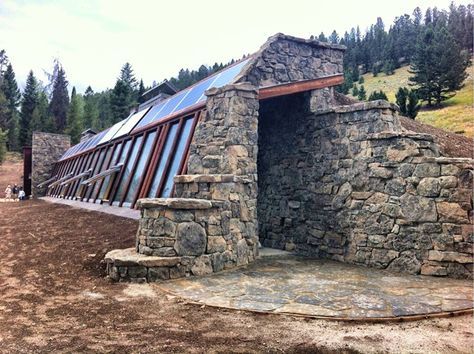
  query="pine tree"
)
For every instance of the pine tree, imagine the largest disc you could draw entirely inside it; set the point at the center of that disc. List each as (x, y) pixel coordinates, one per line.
(355, 91)
(438, 66)
(141, 91)
(127, 76)
(12, 94)
(380, 95)
(74, 117)
(3, 140)
(334, 37)
(322, 37)
(41, 121)
(412, 106)
(124, 94)
(401, 99)
(120, 101)
(91, 112)
(59, 104)
(28, 105)
(362, 96)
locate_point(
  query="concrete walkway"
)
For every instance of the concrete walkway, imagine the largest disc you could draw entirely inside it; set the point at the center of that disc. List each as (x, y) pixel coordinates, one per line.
(102, 208)
(320, 288)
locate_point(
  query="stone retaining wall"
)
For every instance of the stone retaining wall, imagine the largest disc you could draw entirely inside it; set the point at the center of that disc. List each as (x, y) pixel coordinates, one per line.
(46, 149)
(348, 184)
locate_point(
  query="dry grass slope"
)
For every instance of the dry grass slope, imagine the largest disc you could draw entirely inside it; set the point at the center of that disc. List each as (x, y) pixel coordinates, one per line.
(456, 114)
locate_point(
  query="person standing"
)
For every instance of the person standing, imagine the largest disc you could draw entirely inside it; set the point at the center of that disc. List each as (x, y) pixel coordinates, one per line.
(21, 194)
(8, 193)
(15, 191)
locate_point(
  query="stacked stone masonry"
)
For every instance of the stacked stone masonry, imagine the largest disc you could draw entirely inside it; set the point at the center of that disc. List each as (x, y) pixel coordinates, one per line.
(350, 185)
(46, 149)
(301, 173)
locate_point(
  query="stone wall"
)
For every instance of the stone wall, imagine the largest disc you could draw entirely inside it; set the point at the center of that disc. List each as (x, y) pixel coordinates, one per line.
(46, 148)
(348, 184)
(211, 224)
(285, 59)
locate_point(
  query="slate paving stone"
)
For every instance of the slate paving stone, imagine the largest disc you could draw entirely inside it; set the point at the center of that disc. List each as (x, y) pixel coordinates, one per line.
(324, 288)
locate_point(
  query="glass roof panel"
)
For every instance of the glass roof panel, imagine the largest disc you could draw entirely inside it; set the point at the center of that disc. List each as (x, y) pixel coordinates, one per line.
(111, 132)
(195, 93)
(130, 123)
(226, 76)
(152, 113)
(190, 96)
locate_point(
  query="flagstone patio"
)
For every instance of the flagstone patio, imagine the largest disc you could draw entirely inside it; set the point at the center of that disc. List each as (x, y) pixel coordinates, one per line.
(322, 288)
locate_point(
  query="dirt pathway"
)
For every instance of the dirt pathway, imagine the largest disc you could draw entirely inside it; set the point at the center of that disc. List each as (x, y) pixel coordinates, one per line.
(54, 298)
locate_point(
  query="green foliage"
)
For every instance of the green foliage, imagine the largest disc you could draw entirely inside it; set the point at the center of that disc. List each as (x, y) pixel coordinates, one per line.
(41, 121)
(28, 105)
(412, 106)
(322, 37)
(380, 95)
(75, 117)
(59, 103)
(401, 99)
(361, 80)
(3, 147)
(91, 111)
(438, 66)
(334, 37)
(355, 91)
(10, 90)
(141, 91)
(407, 100)
(362, 95)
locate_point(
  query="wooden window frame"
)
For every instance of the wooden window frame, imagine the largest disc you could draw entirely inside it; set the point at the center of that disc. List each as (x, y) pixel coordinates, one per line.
(125, 162)
(134, 166)
(113, 147)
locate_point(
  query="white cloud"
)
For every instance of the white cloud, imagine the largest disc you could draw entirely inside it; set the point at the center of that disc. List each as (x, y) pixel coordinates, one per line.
(93, 39)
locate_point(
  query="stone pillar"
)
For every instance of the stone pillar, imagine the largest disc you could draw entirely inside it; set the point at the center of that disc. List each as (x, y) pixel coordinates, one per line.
(225, 142)
(47, 148)
(211, 224)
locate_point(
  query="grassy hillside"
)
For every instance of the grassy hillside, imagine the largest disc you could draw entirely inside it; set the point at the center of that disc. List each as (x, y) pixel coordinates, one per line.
(456, 114)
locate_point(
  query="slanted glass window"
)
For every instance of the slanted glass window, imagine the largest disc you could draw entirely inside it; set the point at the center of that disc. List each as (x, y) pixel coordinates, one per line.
(138, 173)
(102, 168)
(84, 168)
(96, 170)
(178, 156)
(165, 153)
(79, 170)
(90, 164)
(113, 162)
(127, 170)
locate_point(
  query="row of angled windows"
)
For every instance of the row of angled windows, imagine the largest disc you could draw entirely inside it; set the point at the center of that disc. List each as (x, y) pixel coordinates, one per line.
(131, 168)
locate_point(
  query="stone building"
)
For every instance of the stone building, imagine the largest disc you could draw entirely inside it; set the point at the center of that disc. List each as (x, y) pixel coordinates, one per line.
(265, 152)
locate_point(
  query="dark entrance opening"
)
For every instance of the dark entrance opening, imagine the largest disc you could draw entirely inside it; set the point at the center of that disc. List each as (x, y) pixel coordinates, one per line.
(284, 143)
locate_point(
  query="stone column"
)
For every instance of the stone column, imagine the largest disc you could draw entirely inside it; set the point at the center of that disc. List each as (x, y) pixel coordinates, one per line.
(47, 148)
(225, 142)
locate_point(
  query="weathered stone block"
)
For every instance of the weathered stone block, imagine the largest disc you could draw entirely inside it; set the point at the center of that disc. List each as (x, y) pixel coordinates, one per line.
(451, 212)
(427, 170)
(416, 208)
(446, 256)
(216, 244)
(202, 265)
(191, 239)
(158, 273)
(429, 187)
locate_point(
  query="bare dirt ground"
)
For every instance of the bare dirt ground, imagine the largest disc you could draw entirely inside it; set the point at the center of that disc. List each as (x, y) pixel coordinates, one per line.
(11, 171)
(54, 298)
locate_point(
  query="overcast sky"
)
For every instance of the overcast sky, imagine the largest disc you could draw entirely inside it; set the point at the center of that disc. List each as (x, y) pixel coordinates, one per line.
(94, 38)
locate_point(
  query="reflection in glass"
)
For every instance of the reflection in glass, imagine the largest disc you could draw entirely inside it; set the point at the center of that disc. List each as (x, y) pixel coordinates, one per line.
(163, 159)
(177, 158)
(107, 179)
(127, 170)
(138, 173)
